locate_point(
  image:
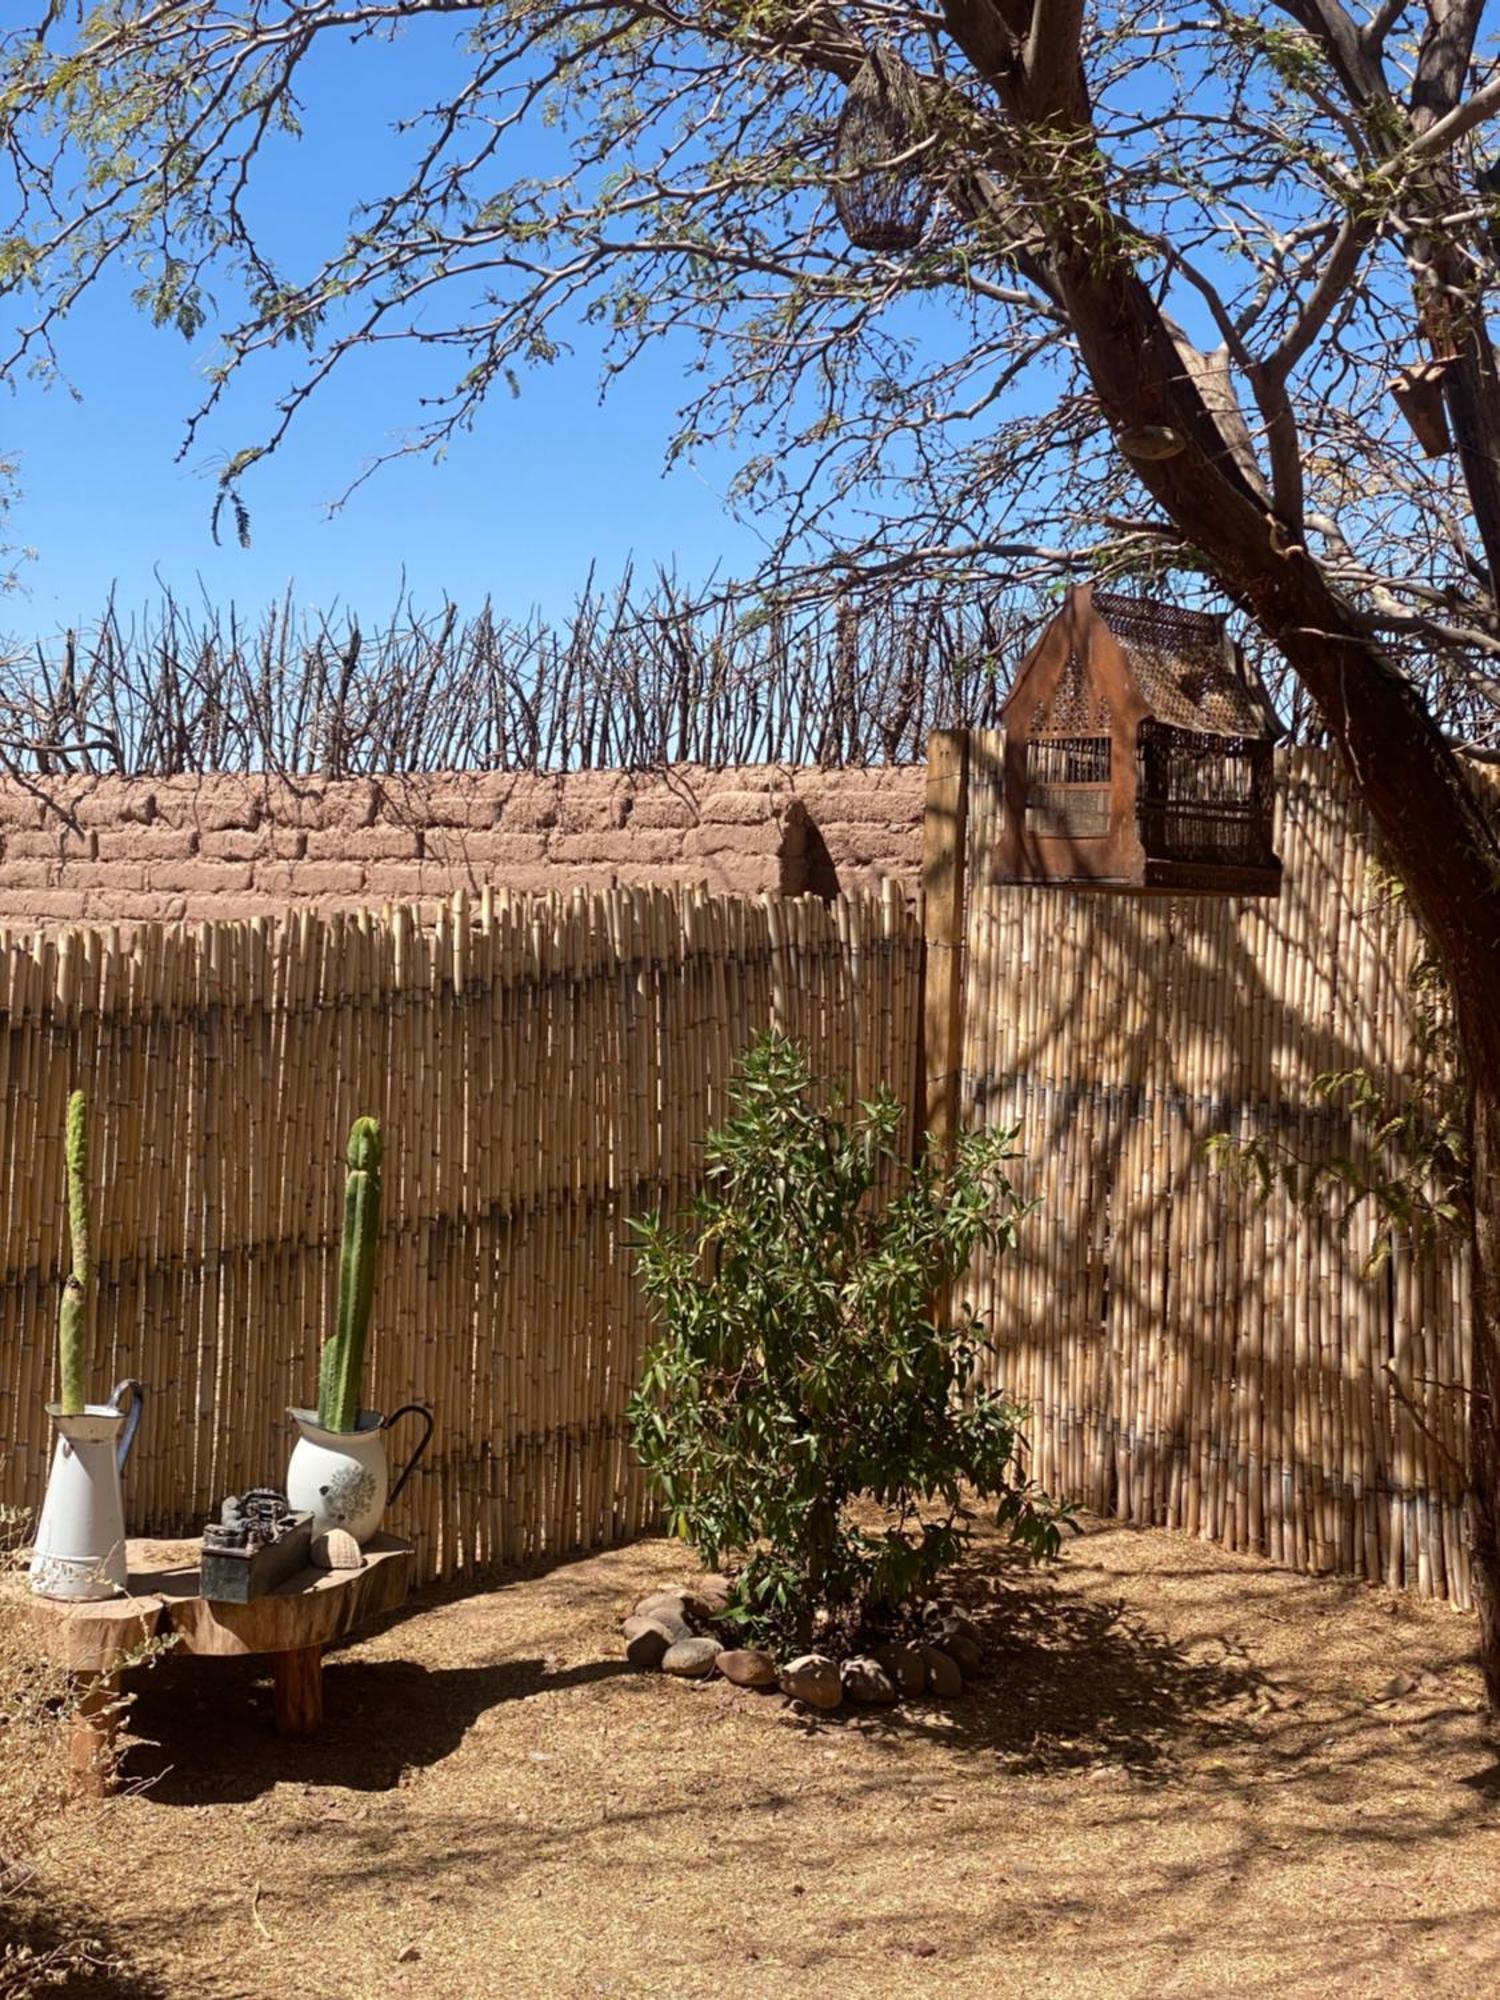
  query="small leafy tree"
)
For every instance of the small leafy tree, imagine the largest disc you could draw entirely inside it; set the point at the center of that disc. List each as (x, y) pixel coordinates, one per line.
(801, 1369)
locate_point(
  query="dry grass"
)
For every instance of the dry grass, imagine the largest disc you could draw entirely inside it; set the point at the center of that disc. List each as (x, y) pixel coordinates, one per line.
(47, 1944)
(1182, 1779)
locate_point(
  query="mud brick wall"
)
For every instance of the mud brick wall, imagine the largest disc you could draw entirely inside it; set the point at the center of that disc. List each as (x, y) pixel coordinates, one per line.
(123, 850)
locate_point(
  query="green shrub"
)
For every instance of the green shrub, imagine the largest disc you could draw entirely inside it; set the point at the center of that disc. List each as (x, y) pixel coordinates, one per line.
(800, 1370)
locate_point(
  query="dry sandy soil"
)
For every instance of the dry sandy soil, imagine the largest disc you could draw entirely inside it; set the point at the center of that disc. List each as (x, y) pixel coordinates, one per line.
(1189, 1774)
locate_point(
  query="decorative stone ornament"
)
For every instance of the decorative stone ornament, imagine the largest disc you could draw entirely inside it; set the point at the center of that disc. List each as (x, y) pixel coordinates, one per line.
(336, 1550)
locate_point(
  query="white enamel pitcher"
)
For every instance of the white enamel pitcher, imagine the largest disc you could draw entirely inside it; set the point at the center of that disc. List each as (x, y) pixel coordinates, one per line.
(80, 1539)
(342, 1478)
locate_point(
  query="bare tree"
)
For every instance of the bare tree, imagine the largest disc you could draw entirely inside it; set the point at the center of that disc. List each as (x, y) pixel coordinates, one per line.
(1186, 289)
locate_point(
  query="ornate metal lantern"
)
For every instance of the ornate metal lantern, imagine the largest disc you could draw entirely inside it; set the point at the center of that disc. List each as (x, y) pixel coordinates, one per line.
(881, 206)
(1138, 755)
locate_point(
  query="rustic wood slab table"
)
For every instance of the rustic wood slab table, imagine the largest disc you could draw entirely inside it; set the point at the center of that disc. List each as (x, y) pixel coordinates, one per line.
(292, 1623)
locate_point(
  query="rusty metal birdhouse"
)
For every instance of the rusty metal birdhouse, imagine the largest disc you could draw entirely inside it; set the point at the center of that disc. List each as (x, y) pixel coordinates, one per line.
(882, 203)
(1138, 755)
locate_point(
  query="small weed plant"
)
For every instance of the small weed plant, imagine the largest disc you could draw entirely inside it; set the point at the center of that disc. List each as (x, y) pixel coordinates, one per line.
(807, 1415)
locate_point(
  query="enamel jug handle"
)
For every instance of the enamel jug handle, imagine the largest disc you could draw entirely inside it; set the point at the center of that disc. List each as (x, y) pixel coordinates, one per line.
(409, 1410)
(132, 1422)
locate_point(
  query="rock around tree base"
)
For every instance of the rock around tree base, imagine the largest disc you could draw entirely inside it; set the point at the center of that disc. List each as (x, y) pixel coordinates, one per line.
(675, 1630)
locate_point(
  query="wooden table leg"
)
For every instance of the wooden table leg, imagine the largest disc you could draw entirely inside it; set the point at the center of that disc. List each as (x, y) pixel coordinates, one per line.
(91, 1740)
(299, 1691)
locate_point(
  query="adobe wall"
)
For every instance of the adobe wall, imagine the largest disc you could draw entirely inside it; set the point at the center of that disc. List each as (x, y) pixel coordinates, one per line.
(119, 850)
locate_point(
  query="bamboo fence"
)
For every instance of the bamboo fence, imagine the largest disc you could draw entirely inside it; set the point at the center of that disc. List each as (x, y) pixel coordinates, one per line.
(1195, 1358)
(544, 1069)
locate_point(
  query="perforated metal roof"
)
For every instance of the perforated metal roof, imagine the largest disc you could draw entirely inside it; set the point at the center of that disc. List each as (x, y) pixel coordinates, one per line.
(1187, 674)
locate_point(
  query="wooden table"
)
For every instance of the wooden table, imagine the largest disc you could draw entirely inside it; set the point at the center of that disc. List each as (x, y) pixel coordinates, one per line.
(292, 1623)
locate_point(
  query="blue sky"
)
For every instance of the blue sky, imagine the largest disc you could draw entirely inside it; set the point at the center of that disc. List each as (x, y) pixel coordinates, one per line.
(518, 510)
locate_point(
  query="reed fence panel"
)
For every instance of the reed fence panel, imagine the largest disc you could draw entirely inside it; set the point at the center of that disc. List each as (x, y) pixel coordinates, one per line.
(543, 1069)
(1196, 1358)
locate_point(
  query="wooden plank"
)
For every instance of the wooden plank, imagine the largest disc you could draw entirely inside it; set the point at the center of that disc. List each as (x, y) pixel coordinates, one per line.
(944, 829)
(299, 1691)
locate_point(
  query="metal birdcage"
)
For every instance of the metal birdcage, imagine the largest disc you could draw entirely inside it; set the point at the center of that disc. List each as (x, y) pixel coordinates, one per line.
(1138, 755)
(882, 206)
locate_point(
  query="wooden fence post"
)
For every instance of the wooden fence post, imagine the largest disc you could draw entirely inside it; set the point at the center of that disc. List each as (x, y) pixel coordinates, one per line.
(944, 832)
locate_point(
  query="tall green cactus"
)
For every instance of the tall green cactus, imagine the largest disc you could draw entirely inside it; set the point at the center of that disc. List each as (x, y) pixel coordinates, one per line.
(72, 1333)
(344, 1350)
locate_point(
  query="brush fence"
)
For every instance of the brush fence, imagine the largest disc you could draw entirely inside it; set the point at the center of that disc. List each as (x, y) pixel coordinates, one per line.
(543, 1070)
(1194, 1358)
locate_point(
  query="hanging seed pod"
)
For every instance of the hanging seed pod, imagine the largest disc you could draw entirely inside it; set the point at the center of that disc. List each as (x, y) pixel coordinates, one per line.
(881, 207)
(1418, 391)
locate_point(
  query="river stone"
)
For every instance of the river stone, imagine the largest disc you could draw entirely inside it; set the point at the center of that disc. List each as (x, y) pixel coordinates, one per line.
(713, 1592)
(943, 1677)
(648, 1640)
(813, 1678)
(905, 1666)
(747, 1667)
(866, 1680)
(673, 1607)
(691, 1658)
(960, 1648)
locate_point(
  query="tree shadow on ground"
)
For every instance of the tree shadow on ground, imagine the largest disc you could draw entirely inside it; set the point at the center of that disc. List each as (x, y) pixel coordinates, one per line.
(1068, 1683)
(1189, 1794)
(1485, 1783)
(207, 1733)
(43, 1952)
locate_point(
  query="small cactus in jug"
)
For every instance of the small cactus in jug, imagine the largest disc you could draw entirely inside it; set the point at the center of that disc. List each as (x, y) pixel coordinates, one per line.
(343, 1363)
(72, 1327)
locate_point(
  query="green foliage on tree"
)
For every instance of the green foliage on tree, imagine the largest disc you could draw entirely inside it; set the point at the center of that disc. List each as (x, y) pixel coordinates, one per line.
(804, 1414)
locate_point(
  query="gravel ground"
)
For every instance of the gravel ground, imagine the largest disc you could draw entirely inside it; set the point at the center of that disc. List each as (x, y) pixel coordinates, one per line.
(1187, 1774)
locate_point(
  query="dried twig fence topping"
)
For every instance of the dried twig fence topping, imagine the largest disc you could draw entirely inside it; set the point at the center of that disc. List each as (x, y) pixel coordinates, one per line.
(542, 1070)
(631, 679)
(634, 678)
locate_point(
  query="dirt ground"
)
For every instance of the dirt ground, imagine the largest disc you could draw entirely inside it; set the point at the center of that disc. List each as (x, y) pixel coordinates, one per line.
(1189, 1774)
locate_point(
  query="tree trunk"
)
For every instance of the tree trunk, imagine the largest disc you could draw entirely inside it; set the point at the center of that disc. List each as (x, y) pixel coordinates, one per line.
(1484, 1404)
